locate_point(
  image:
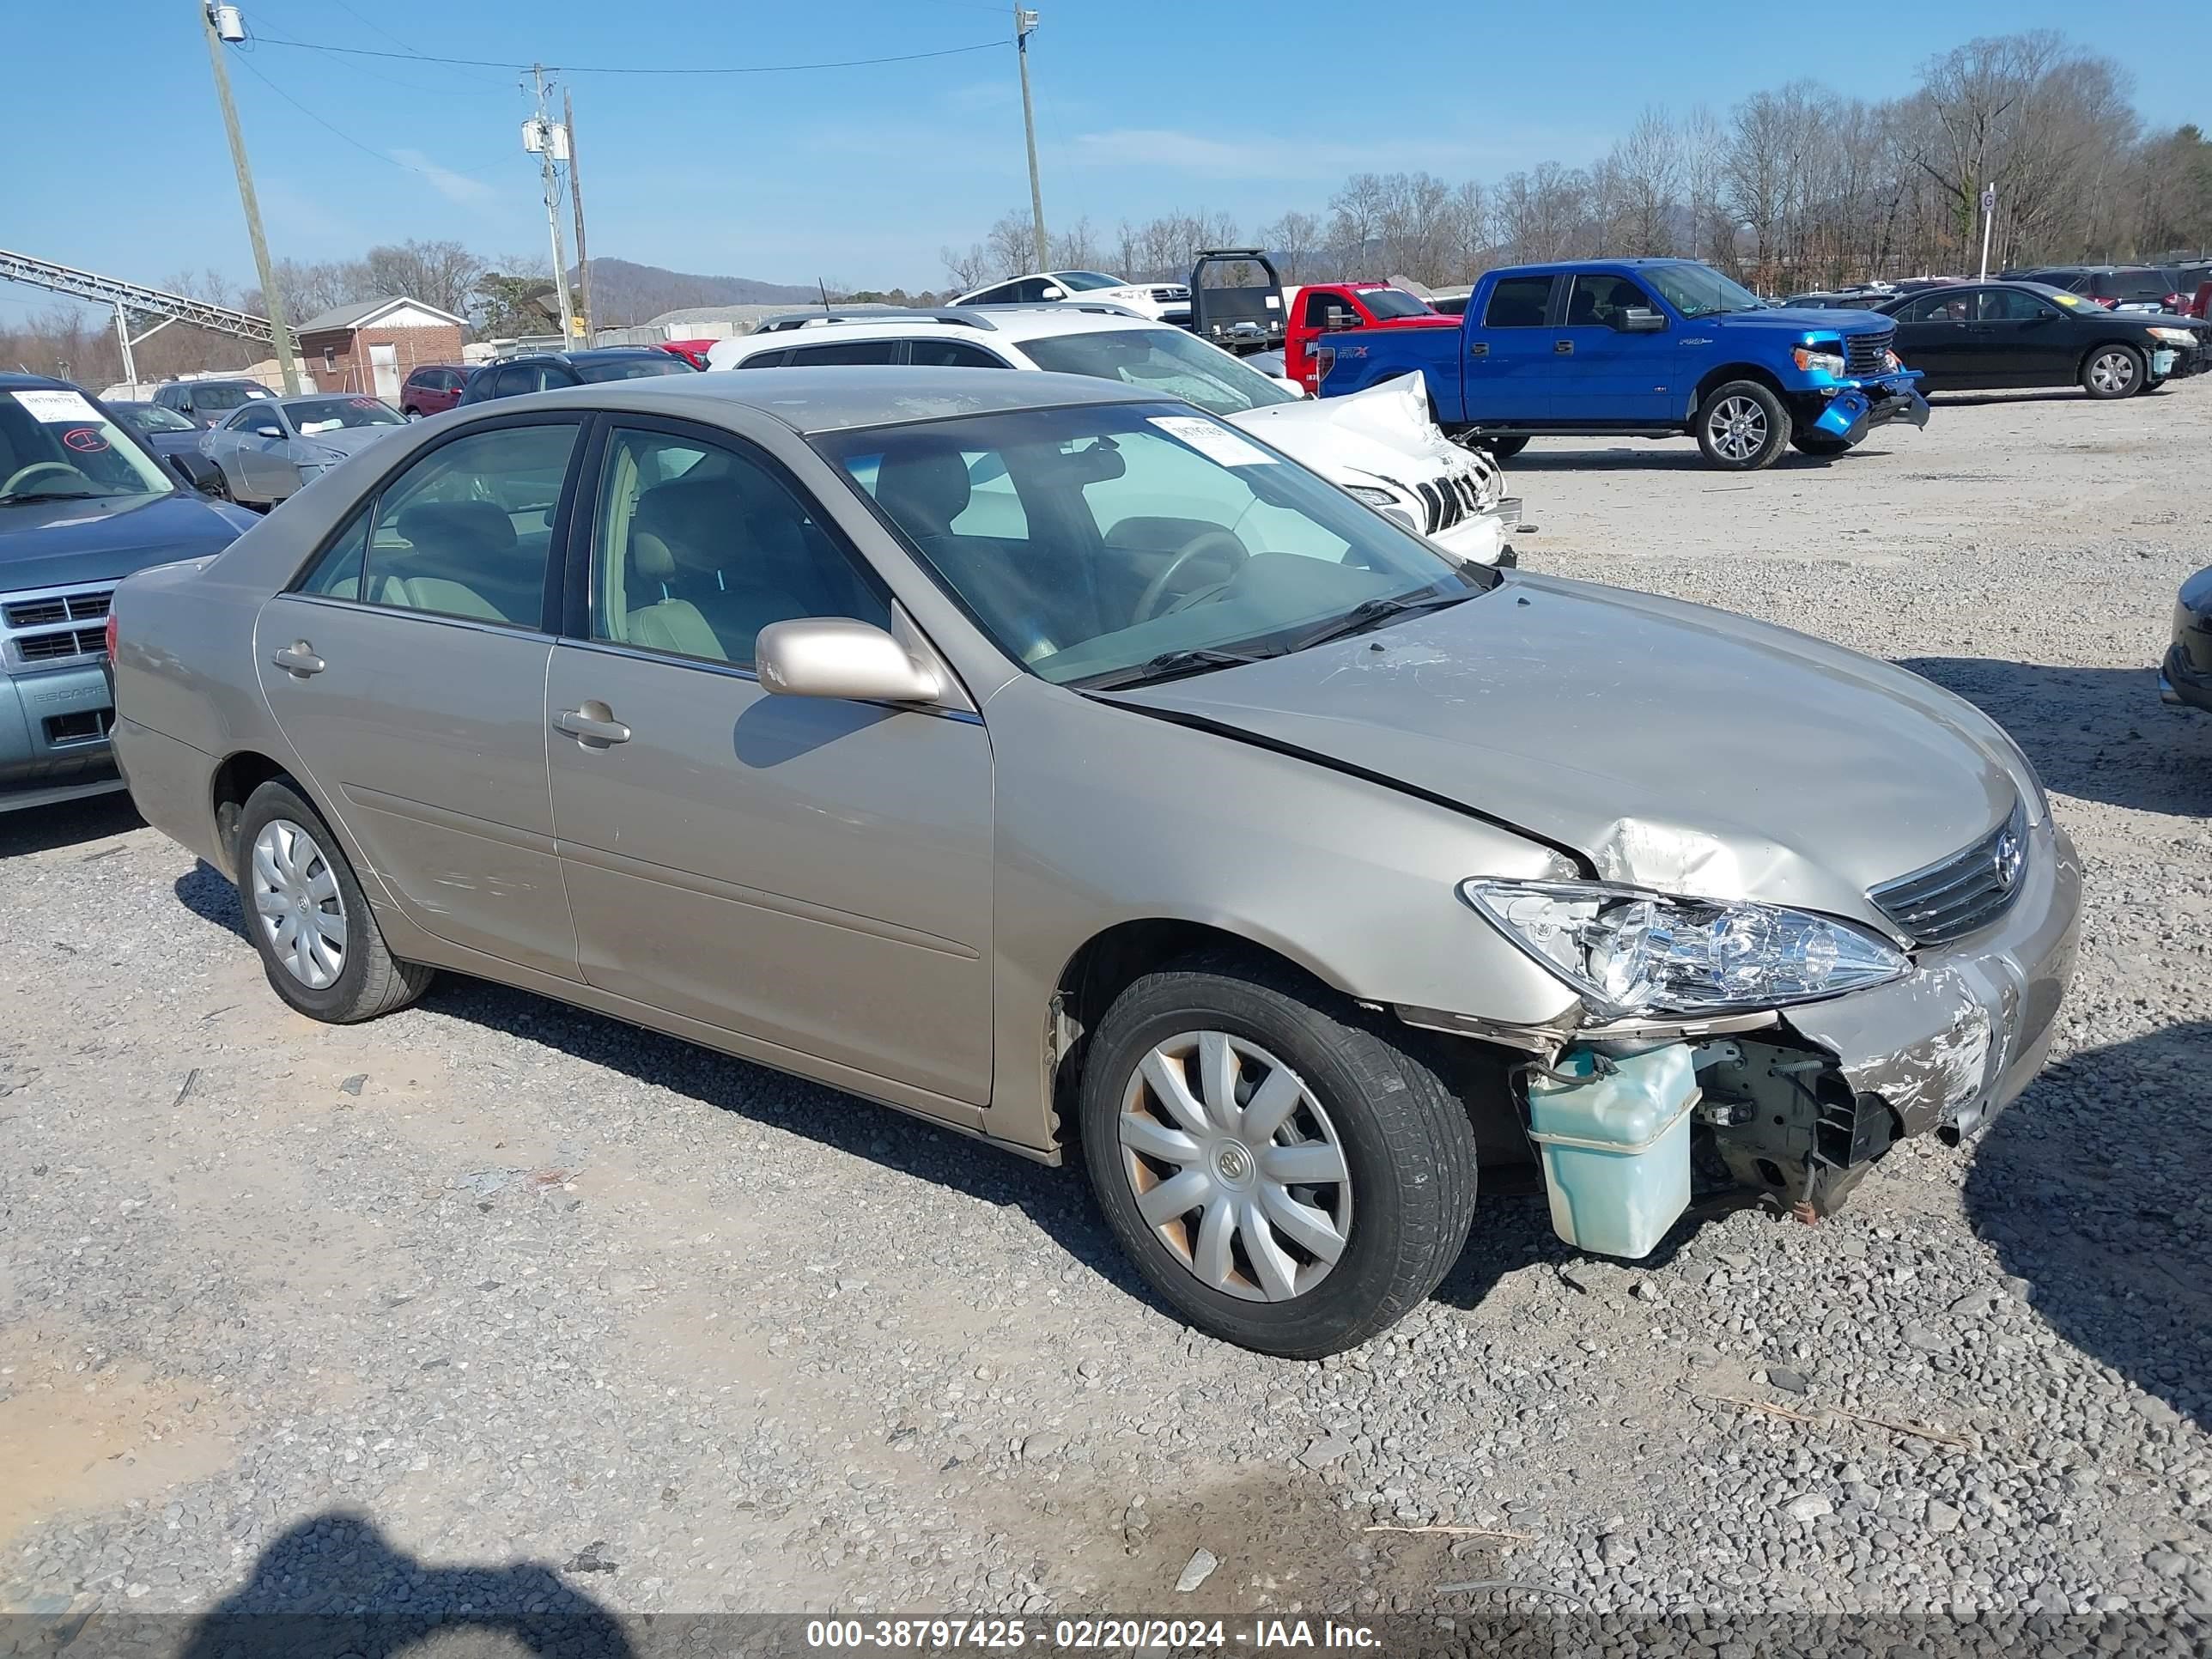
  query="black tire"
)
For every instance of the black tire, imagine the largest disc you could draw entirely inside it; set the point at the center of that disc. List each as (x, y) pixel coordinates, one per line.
(1503, 448)
(2156, 384)
(1408, 1150)
(2113, 371)
(370, 980)
(1822, 446)
(1741, 426)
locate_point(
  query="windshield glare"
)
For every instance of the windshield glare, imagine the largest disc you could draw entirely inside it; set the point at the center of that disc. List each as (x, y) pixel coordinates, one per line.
(1162, 360)
(1701, 291)
(1080, 280)
(54, 441)
(1088, 541)
(314, 414)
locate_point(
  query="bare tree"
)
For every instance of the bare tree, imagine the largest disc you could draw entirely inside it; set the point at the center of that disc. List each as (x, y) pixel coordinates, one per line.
(1647, 166)
(969, 269)
(1295, 240)
(438, 273)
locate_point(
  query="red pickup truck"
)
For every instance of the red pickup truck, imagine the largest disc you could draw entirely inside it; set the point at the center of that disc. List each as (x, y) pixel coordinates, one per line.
(1323, 308)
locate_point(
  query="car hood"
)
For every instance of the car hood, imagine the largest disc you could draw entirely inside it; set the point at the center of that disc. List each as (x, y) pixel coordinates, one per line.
(348, 440)
(1385, 430)
(1671, 746)
(1796, 320)
(60, 544)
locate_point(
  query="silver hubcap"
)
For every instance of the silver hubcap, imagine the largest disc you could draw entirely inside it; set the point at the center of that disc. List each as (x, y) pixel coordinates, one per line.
(1738, 428)
(295, 894)
(2113, 372)
(1236, 1167)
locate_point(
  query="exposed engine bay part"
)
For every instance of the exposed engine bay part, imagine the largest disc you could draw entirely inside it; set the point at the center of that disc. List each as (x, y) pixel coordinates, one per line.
(1787, 1123)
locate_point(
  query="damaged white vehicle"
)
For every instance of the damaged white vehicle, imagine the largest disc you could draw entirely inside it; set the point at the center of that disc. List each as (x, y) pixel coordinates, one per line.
(1380, 446)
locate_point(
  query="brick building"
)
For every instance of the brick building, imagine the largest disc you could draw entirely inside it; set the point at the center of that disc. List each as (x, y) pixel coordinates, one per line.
(370, 346)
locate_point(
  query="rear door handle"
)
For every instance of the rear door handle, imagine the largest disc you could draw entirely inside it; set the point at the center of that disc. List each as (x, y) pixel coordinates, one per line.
(298, 659)
(1563, 347)
(1479, 348)
(593, 723)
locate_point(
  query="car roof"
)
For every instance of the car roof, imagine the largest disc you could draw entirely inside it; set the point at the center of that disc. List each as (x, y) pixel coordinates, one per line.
(839, 399)
(1013, 324)
(10, 380)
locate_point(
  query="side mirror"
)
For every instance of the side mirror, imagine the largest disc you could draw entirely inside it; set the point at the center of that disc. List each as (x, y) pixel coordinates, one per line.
(1335, 320)
(832, 657)
(1641, 319)
(268, 429)
(1052, 292)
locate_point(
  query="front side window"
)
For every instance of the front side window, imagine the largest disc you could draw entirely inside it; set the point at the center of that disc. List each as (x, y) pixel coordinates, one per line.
(2010, 305)
(698, 547)
(1324, 310)
(1167, 360)
(313, 415)
(1701, 291)
(250, 420)
(1518, 302)
(1096, 543)
(1599, 299)
(56, 444)
(465, 530)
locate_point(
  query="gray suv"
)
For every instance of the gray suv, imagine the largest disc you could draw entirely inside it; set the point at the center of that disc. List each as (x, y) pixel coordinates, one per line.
(1047, 759)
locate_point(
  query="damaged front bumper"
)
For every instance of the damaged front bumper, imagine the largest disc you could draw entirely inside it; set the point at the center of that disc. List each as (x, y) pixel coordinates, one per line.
(1851, 409)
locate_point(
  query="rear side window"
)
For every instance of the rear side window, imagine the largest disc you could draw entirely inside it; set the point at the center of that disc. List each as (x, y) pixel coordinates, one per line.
(951, 354)
(845, 351)
(1937, 307)
(766, 359)
(465, 530)
(1518, 302)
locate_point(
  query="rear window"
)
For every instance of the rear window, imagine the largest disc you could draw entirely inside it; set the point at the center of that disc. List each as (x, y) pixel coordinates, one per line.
(633, 368)
(2141, 283)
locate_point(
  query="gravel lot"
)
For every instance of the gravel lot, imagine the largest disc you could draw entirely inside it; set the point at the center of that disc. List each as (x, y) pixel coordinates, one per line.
(498, 1303)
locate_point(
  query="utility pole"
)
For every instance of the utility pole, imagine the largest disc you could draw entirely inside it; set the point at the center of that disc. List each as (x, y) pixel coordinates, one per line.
(1025, 22)
(576, 201)
(272, 298)
(539, 136)
(123, 339)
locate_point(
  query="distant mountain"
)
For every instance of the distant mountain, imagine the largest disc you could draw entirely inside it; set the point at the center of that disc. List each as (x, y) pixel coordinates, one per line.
(623, 293)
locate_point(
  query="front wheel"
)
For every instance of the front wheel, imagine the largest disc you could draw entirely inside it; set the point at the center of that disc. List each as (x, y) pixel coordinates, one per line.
(1823, 446)
(306, 915)
(1742, 427)
(2113, 371)
(1503, 448)
(1279, 1166)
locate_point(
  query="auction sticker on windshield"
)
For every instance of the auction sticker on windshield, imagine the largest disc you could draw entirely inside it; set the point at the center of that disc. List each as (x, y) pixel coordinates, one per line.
(1216, 443)
(56, 407)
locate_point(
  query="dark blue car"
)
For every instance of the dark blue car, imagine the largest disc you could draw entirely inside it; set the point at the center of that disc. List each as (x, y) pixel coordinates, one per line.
(84, 503)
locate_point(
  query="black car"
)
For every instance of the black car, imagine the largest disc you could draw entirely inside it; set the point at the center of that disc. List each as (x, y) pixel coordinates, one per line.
(2129, 287)
(546, 371)
(1979, 336)
(174, 439)
(2186, 675)
(203, 403)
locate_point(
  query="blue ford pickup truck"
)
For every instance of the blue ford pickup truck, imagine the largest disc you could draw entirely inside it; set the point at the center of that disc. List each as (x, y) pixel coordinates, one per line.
(1641, 348)
(82, 504)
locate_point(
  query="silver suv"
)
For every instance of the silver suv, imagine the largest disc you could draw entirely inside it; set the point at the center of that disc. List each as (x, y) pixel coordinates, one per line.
(1058, 763)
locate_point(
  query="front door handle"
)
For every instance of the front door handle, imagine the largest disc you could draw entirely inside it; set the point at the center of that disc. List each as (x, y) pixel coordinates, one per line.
(1479, 348)
(594, 723)
(1563, 347)
(298, 659)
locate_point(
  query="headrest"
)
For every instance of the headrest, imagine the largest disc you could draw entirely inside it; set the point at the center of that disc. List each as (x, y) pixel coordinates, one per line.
(924, 492)
(478, 525)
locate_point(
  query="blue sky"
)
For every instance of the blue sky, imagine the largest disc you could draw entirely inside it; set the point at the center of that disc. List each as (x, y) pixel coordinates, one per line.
(858, 175)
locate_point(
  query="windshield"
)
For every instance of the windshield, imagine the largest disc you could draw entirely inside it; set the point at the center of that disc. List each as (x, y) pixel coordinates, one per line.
(1091, 542)
(1080, 280)
(314, 414)
(151, 418)
(1386, 304)
(1162, 360)
(2060, 296)
(1701, 291)
(55, 443)
(634, 368)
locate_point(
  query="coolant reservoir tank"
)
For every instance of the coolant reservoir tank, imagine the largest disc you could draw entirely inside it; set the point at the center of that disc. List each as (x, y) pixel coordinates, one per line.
(1615, 1143)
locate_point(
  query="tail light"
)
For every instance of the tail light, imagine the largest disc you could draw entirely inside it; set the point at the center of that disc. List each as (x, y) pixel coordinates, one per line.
(110, 635)
(2177, 304)
(1324, 359)
(2106, 300)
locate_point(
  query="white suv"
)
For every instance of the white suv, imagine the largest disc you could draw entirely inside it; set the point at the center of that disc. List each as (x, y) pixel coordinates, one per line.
(1379, 445)
(1163, 303)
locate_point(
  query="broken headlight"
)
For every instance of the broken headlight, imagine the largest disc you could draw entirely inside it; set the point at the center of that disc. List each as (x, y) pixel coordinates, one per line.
(1814, 360)
(1629, 953)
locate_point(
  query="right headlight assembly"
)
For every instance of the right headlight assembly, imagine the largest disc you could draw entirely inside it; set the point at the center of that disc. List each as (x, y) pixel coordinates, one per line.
(1631, 953)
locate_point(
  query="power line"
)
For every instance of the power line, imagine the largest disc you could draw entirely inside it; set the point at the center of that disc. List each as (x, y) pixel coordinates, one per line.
(623, 68)
(247, 64)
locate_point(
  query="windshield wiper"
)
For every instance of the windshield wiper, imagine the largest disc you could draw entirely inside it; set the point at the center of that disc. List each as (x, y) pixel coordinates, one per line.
(1371, 613)
(1171, 666)
(14, 497)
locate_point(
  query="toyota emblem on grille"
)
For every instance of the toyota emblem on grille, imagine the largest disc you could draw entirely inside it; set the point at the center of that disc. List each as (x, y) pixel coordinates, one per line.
(2006, 859)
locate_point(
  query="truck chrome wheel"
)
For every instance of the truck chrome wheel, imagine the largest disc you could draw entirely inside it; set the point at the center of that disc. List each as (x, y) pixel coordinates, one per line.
(1738, 426)
(1235, 1166)
(296, 898)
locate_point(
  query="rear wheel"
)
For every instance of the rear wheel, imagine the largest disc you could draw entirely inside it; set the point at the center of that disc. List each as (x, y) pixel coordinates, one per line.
(306, 915)
(1279, 1167)
(1741, 426)
(1822, 444)
(2113, 371)
(1505, 448)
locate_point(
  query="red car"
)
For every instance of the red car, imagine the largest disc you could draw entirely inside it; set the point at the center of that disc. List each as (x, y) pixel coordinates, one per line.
(1324, 308)
(432, 390)
(693, 352)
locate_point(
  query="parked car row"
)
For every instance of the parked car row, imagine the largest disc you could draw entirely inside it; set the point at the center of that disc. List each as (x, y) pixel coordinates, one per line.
(1975, 335)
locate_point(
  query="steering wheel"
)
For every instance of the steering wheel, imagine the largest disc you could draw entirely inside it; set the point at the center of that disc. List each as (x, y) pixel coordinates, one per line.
(1198, 547)
(38, 469)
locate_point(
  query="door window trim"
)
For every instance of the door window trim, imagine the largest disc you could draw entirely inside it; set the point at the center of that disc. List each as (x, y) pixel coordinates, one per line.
(548, 613)
(583, 526)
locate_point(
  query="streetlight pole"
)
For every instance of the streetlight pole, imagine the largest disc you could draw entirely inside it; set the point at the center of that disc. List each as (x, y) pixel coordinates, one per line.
(1025, 23)
(272, 298)
(1988, 218)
